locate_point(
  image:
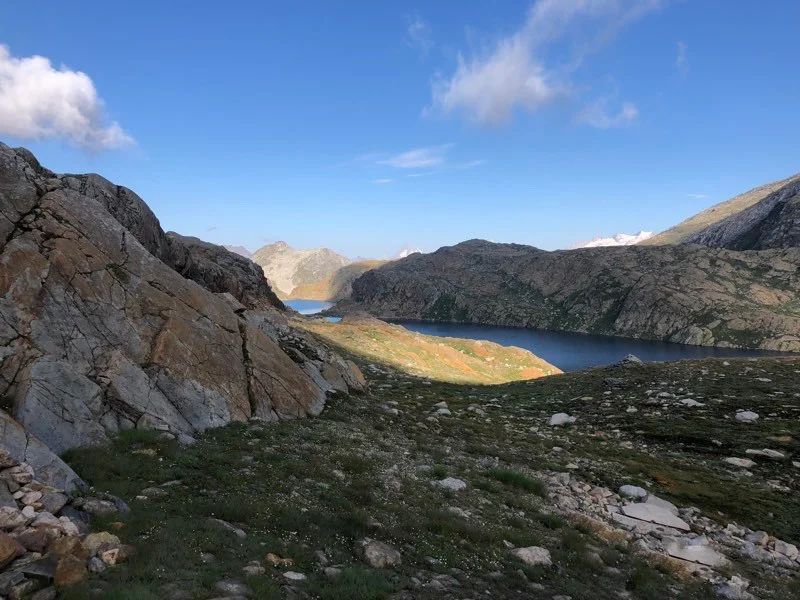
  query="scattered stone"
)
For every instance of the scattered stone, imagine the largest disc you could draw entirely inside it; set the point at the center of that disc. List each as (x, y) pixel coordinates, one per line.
(70, 571)
(533, 555)
(232, 588)
(766, 452)
(655, 514)
(744, 463)
(95, 565)
(277, 561)
(746, 416)
(734, 589)
(294, 576)
(561, 419)
(253, 569)
(377, 555)
(633, 491)
(48, 593)
(631, 359)
(9, 549)
(697, 554)
(331, 572)
(11, 518)
(786, 549)
(758, 537)
(451, 484)
(239, 533)
(94, 541)
(655, 500)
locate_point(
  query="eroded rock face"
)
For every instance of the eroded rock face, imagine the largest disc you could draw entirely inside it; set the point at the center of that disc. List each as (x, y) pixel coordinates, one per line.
(687, 294)
(99, 333)
(220, 270)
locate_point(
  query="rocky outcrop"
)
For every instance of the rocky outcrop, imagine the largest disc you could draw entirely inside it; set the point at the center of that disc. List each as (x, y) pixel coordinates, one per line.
(773, 222)
(287, 268)
(99, 332)
(683, 231)
(688, 294)
(219, 270)
(22, 447)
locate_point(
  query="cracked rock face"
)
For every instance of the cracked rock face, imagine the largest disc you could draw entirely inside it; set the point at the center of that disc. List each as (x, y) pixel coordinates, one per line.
(99, 332)
(686, 294)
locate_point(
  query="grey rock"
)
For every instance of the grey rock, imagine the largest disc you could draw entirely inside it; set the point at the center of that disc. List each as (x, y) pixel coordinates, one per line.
(746, 416)
(239, 533)
(697, 554)
(632, 491)
(561, 419)
(533, 555)
(450, 484)
(744, 463)
(376, 554)
(232, 587)
(655, 514)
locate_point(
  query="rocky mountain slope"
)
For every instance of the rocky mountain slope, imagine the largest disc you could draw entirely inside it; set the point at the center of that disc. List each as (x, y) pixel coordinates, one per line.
(339, 285)
(440, 358)
(287, 268)
(107, 323)
(691, 228)
(688, 294)
(773, 222)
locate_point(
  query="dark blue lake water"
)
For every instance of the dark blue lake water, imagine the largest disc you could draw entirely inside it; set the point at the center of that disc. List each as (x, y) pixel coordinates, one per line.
(575, 351)
(567, 351)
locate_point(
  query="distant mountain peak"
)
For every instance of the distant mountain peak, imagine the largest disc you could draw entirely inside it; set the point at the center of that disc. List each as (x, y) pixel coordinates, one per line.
(620, 239)
(407, 250)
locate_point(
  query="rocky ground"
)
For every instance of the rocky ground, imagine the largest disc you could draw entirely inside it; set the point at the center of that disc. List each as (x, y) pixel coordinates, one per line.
(421, 489)
(444, 359)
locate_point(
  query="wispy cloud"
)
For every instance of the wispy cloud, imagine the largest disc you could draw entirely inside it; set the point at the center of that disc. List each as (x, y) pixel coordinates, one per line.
(419, 35)
(697, 196)
(38, 101)
(490, 86)
(212, 228)
(597, 114)
(682, 58)
(471, 164)
(382, 181)
(418, 158)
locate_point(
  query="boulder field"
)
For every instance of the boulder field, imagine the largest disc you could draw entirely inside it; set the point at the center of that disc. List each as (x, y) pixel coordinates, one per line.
(108, 323)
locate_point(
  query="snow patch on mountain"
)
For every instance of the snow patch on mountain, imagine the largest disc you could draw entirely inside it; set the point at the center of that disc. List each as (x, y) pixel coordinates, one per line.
(621, 239)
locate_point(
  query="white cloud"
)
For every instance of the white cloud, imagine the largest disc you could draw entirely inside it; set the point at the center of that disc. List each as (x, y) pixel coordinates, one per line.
(697, 196)
(418, 158)
(597, 115)
(382, 181)
(418, 35)
(38, 101)
(471, 164)
(490, 86)
(682, 59)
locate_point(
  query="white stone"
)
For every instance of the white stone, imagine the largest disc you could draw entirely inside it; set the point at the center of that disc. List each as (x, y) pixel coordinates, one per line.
(451, 483)
(744, 463)
(691, 403)
(29, 512)
(697, 554)
(561, 419)
(633, 491)
(746, 416)
(786, 549)
(655, 514)
(765, 452)
(656, 501)
(294, 576)
(533, 555)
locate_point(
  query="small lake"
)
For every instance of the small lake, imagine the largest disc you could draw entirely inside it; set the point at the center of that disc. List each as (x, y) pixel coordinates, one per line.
(308, 307)
(567, 351)
(576, 351)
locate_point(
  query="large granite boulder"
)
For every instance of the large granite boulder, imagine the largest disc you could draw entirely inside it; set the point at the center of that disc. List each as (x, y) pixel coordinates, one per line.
(98, 332)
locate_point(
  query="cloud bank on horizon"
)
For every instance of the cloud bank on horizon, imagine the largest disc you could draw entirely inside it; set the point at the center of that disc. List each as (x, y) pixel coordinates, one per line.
(38, 101)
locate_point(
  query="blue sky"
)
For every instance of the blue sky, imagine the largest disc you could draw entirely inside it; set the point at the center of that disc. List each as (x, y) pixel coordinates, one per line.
(363, 125)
